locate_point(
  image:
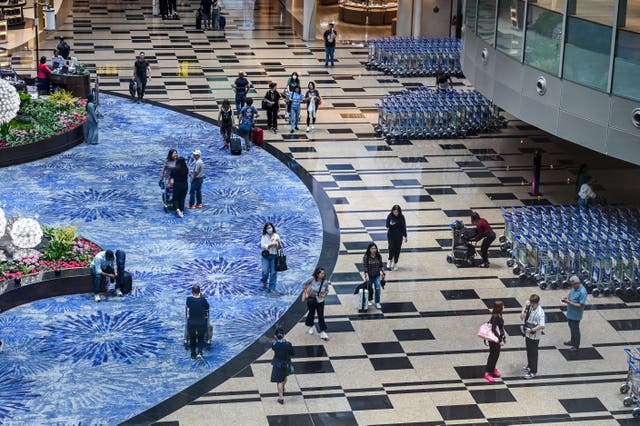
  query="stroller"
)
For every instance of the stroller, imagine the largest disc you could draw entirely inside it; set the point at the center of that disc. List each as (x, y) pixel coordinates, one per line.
(462, 251)
(208, 337)
(167, 196)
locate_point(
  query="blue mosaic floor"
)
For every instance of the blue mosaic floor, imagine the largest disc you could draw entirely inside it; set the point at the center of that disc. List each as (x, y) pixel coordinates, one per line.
(69, 360)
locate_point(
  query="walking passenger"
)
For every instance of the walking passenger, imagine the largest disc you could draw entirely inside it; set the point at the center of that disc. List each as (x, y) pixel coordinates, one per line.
(319, 287)
(329, 37)
(281, 362)
(241, 86)
(205, 8)
(312, 98)
(532, 316)
(225, 120)
(198, 315)
(270, 243)
(293, 81)
(179, 181)
(497, 327)
(141, 73)
(247, 119)
(396, 231)
(295, 98)
(373, 272)
(272, 99)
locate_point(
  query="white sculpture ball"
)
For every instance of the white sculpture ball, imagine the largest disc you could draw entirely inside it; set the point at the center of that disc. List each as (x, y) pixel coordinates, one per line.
(9, 102)
(3, 223)
(26, 233)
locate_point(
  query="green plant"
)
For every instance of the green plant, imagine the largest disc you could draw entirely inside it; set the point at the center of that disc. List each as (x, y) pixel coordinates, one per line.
(25, 98)
(62, 99)
(61, 241)
(81, 68)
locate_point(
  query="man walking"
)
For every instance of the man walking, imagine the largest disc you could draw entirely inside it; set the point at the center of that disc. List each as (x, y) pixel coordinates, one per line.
(575, 301)
(141, 73)
(329, 44)
(195, 193)
(241, 85)
(532, 316)
(198, 313)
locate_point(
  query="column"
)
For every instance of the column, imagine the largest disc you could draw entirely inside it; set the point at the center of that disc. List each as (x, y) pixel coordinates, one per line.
(309, 20)
(405, 18)
(417, 18)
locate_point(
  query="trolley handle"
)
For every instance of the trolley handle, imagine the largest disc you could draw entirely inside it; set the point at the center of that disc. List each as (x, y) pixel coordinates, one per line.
(631, 355)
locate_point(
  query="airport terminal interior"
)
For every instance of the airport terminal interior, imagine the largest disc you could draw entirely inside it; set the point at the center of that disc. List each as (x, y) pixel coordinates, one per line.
(533, 102)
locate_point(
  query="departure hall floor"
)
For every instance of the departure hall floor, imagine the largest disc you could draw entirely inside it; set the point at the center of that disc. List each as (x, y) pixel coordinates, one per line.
(418, 360)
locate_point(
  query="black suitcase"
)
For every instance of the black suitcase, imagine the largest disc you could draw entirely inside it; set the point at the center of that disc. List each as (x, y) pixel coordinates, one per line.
(222, 22)
(126, 284)
(235, 145)
(198, 20)
(133, 88)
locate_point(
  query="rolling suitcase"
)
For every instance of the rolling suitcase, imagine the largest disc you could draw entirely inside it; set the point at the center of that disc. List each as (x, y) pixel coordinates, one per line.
(223, 22)
(235, 146)
(126, 284)
(363, 300)
(257, 135)
(198, 20)
(133, 88)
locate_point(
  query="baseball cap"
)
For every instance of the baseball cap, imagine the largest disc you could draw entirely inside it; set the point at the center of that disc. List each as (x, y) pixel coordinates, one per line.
(196, 152)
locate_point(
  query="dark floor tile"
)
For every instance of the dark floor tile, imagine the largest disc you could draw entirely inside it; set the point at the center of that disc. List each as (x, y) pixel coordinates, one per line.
(378, 148)
(513, 330)
(371, 223)
(290, 420)
(394, 307)
(460, 294)
(464, 164)
(310, 351)
(339, 200)
(295, 149)
(441, 191)
(343, 104)
(408, 142)
(509, 302)
(489, 157)
(356, 245)
(582, 354)
(556, 316)
(405, 182)
(346, 178)
(417, 198)
(345, 276)
(449, 146)
(512, 179)
(480, 174)
(333, 167)
(460, 412)
(171, 423)
(331, 299)
(487, 396)
(470, 371)
(339, 326)
(245, 372)
(480, 151)
(391, 363)
(625, 324)
(501, 196)
(382, 348)
(378, 236)
(341, 418)
(536, 202)
(411, 334)
(457, 213)
(413, 159)
(339, 131)
(517, 282)
(353, 89)
(582, 405)
(444, 242)
(369, 402)
(313, 367)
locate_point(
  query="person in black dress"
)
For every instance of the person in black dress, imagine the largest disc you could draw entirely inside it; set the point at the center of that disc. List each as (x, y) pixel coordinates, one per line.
(198, 310)
(179, 181)
(497, 327)
(396, 231)
(281, 362)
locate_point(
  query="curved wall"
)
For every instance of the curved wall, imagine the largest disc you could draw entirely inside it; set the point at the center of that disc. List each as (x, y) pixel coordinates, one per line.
(584, 116)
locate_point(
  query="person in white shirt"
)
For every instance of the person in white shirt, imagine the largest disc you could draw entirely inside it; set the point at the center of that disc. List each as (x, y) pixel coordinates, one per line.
(533, 317)
(586, 193)
(270, 243)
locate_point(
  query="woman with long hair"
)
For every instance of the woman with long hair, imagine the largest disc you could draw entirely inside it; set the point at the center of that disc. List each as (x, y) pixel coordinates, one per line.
(225, 120)
(270, 243)
(497, 327)
(180, 182)
(281, 362)
(295, 98)
(312, 97)
(396, 231)
(319, 286)
(292, 83)
(373, 272)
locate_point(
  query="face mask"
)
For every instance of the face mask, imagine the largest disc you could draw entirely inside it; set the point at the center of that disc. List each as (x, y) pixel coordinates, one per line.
(269, 230)
(295, 77)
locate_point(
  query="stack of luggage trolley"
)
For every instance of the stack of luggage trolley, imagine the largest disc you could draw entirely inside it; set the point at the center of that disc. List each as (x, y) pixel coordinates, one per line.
(425, 113)
(601, 245)
(415, 57)
(632, 384)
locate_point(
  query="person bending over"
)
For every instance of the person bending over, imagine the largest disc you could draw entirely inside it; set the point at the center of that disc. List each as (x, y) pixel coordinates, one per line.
(485, 233)
(102, 267)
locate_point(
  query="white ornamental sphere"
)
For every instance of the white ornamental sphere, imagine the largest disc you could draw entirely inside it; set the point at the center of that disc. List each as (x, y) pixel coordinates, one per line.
(3, 223)
(26, 233)
(9, 102)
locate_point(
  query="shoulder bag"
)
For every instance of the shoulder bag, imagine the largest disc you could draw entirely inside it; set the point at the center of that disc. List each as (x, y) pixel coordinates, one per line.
(281, 261)
(485, 332)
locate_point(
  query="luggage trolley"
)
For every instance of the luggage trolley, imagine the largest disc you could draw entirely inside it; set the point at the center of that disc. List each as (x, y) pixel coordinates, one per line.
(208, 338)
(632, 385)
(462, 251)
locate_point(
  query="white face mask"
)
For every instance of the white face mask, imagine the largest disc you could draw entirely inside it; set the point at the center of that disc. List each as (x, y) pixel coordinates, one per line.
(269, 230)
(295, 77)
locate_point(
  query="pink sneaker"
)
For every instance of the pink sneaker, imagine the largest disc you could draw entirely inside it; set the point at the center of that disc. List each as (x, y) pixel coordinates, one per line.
(488, 378)
(496, 373)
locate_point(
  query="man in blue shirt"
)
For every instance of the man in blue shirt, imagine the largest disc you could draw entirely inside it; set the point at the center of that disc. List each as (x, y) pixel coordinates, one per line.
(575, 301)
(103, 265)
(241, 85)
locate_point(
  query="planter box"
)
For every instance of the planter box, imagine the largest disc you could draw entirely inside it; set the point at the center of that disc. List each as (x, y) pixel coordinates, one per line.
(45, 148)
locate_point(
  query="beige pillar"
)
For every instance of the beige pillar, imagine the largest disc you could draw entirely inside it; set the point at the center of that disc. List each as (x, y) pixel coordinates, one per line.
(309, 20)
(405, 18)
(416, 18)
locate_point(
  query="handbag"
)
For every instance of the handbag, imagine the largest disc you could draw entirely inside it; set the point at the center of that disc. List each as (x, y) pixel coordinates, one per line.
(265, 104)
(265, 253)
(485, 332)
(281, 261)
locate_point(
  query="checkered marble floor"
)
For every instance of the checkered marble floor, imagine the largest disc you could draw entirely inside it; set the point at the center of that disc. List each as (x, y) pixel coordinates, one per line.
(416, 361)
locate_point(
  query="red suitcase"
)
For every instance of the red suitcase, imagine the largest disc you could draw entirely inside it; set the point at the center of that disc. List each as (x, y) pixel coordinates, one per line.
(257, 136)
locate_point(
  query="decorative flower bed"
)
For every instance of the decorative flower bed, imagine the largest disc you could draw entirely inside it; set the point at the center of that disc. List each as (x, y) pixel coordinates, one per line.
(59, 248)
(39, 119)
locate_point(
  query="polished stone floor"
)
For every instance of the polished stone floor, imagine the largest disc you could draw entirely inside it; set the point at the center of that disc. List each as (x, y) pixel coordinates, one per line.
(417, 360)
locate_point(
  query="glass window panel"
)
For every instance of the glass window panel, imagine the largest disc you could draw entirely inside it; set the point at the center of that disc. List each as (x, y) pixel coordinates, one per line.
(544, 39)
(554, 5)
(486, 20)
(629, 15)
(626, 67)
(586, 53)
(510, 27)
(600, 11)
(471, 15)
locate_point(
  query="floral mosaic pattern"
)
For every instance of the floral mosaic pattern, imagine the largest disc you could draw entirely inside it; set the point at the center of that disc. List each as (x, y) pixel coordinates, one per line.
(110, 192)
